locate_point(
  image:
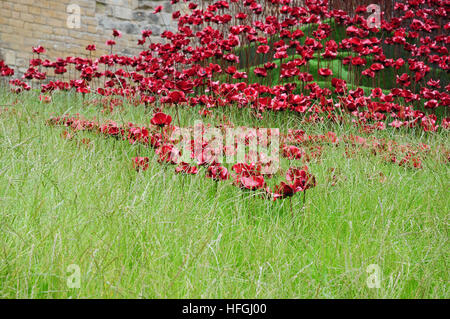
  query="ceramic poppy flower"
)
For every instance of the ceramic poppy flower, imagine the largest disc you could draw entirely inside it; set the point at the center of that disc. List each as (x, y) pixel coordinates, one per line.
(168, 153)
(140, 163)
(261, 72)
(231, 69)
(293, 152)
(283, 190)
(138, 134)
(177, 97)
(161, 119)
(404, 79)
(280, 54)
(431, 104)
(185, 168)
(116, 33)
(39, 49)
(176, 15)
(358, 61)
(325, 72)
(263, 49)
(301, 179)
(158, 9)
(270, 65)
(247, 169)
(251, 182)
(434, 83)
(377, 67)
(146, 33)
(397, 124)
(185, 86)
(217, 172)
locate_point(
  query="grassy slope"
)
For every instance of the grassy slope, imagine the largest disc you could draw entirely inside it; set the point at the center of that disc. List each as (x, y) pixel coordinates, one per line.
(155, 235)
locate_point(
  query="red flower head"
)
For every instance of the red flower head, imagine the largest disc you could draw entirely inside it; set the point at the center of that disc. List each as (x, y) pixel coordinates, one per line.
(431, 104)
(177, 97)
(217, 172)
(168, 153)
(270, 66)
(302, 180)
(146, 33)
(158, 9)
(263, 49)
(325, 72)
(176, 15)
(244, 169)
(404, 79)
(39, 49)
(140, 163)
(293, 152)
(260, 72)
(185, 168)
(284, 190)
(185, 86)
(251, 182)
(231, 70)
(160, 119)
(116, 33)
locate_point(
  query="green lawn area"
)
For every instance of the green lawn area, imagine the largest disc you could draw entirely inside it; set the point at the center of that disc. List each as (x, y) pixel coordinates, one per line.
(155, 234)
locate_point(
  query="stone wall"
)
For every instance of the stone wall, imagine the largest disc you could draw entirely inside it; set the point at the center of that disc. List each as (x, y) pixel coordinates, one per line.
(28, 23)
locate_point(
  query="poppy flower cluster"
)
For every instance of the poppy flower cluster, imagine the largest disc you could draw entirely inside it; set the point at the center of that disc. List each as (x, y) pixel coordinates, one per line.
(207, 63)
(248, 176)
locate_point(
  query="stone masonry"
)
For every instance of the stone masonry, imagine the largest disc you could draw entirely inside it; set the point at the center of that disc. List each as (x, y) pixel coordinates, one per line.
(28, 23)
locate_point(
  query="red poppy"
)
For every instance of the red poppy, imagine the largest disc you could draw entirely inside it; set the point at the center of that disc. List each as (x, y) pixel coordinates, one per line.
(302, 180)
(185, 168)
(262, 72)
(217, 172)
(245, 169)
(270, 66)
(168, 153)
(283, 190)
(293, 152)
(325, 72)
(251, 182)
(39, 49)
(241, 16)
(185, 86)
(404, 79)
(230, 70)
(116, 33)
(158, 9)
(263, 49)
(431, 104)
(140, 163)
(161, 119)
(177, 97)
(358, 61)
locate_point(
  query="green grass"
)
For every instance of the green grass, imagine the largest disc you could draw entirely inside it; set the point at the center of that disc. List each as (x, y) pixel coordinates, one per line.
(155, 234)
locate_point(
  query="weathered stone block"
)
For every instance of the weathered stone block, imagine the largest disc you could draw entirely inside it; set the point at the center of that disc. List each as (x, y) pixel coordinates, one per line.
(123, 13)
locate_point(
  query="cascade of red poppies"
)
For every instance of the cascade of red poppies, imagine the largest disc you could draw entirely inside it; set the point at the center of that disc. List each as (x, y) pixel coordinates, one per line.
(275, 55)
